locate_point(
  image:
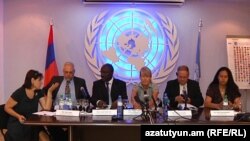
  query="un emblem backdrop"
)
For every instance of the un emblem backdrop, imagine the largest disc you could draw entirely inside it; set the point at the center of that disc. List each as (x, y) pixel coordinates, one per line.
(130, 39)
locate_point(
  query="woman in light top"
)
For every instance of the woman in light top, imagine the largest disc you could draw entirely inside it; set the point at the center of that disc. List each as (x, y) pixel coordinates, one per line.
(223, 86)
(145, 92)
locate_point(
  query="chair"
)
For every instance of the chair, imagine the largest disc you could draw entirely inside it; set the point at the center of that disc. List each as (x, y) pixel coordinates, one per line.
(3, 120)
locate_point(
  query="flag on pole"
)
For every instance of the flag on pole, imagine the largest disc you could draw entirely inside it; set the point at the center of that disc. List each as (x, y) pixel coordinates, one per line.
(197, 74)
(51, 66)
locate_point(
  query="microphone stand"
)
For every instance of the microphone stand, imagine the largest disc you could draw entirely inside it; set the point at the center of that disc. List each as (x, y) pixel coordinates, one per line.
(84, 94)
(186, 99)
(146, 114)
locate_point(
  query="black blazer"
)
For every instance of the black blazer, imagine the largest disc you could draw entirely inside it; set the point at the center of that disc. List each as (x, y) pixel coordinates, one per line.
(78, 82)
(193, 91)
(99, 91)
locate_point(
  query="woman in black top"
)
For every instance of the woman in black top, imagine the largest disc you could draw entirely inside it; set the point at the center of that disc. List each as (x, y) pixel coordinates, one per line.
(22, 103)
(223, 85)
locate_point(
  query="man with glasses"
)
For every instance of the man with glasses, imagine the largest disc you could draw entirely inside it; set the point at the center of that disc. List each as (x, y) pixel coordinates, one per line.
(183, 89)
(70, 87)
(105, 91)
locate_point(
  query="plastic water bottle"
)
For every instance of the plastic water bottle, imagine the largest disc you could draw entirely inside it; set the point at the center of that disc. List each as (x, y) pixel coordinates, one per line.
(165, 106)
(61, 102)
(225, 102)
(119, 108)
(70, 103)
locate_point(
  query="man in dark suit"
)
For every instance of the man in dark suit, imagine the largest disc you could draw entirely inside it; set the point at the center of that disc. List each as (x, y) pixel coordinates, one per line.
(71, 86)
(178, 88)
(77, 86)
(106, 90)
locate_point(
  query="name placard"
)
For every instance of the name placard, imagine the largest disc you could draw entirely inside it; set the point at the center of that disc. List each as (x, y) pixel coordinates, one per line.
(222, 118)
(104, 112)
(223, 113)
(180, 113)
(67, 113)
(68, 118)
(132, 112)
(110, 112)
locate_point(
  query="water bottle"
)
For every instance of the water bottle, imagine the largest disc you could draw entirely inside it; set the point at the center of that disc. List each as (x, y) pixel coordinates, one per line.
(70, 103)
(165, 106)
(61, 102)
(67, 102)
(225, 102)
(119, 108)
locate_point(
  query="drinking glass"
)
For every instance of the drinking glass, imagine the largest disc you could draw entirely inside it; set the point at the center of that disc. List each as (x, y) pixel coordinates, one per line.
(78, 104)
(85, 105)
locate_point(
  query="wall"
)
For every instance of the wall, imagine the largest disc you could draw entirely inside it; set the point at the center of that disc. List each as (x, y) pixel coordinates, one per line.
(2, 97)
(26, 27)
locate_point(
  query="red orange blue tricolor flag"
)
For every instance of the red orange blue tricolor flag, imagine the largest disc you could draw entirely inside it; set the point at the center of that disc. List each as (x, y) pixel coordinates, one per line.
(51, 66)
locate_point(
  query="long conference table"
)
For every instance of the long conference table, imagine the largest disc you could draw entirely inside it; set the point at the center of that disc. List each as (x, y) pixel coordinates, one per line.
(92, 128)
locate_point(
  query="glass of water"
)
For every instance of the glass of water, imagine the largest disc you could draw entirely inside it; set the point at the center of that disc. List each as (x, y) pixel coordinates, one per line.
(85, 105)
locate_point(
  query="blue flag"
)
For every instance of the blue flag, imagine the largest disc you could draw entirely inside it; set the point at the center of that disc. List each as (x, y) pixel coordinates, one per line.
(197, 73)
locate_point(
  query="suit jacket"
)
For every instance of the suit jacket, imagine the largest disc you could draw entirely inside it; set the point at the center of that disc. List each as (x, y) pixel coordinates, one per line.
(99, 91)
(78, 82)
(193, 91)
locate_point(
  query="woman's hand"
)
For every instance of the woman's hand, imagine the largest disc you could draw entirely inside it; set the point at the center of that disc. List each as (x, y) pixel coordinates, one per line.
(21, 118)
(53, 87)
(219, 106)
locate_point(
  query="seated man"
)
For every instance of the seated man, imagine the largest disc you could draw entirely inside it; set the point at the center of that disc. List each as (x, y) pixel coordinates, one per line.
(71, 87)
(176, 89)
(106, 90)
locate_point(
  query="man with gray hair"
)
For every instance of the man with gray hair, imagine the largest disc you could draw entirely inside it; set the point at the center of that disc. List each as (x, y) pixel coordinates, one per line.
(69, 86)
(183, 90)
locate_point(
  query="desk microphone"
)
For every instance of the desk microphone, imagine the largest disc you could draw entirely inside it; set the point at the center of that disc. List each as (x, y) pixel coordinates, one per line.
(146, 97)
(84, 92)
(142, 103)
(137, 99)
(185, 98)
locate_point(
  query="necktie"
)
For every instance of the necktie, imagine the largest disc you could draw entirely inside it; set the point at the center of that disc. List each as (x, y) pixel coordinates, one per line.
(184, 91)
(67, 89)
(108, 91)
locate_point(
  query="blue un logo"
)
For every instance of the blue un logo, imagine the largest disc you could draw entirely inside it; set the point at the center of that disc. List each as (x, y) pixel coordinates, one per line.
(130, 39)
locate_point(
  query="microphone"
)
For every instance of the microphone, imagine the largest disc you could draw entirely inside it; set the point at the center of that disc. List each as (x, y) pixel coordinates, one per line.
(84, 94)
(137, 99)
(146, 97)
(185, 98)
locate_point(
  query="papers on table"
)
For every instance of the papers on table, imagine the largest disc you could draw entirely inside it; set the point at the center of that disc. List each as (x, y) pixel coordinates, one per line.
(45, 113)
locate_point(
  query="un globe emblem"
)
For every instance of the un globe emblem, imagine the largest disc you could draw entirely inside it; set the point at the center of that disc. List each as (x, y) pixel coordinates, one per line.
(128, 42)
(130, 39)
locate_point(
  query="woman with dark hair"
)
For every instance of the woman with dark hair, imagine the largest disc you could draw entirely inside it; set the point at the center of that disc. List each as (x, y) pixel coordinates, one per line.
(223, 86)
(22, 103)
